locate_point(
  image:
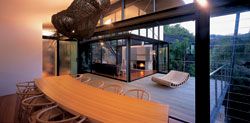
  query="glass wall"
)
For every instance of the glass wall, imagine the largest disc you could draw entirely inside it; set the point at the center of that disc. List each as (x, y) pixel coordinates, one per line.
(108, 58)
(181, 39)
(138, 8)
(162, 5)
(135, 8)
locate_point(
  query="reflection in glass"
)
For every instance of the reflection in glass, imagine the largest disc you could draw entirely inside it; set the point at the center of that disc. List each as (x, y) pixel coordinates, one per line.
(163, 58)
(68, 55)
(49, 57)
(142, 59)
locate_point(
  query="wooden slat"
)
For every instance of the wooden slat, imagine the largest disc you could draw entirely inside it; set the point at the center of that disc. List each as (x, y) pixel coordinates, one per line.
(99, 104)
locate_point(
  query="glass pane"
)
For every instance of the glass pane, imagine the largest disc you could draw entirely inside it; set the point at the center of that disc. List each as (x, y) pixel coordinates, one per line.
(163, 58)
(134, 8)
(109, 52)
(96, 53)
(68, 55)
(49, 57)
(222, 41)
(231, 50)
(137, 8)
(162, 4)
(86, 58)
(112, 17)
(142, 59)
(180, 37)
(109, 59)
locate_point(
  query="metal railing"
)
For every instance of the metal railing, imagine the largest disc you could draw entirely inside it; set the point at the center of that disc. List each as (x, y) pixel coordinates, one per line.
(221, 78)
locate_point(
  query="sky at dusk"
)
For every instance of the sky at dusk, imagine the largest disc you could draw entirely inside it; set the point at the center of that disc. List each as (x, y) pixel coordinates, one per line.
(223, 25)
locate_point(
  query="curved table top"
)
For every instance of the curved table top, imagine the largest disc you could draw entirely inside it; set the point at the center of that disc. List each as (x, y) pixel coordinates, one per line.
(101, 105)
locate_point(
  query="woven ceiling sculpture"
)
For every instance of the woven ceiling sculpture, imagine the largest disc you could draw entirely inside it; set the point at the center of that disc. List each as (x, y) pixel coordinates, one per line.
(79, 20)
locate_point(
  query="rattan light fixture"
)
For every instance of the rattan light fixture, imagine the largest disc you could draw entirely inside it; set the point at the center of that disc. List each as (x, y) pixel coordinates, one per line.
(79, 20)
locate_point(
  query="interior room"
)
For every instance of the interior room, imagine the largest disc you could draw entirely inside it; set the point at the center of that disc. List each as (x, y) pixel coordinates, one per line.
(120, 61)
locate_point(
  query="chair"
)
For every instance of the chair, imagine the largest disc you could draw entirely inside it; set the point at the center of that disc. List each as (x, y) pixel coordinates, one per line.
(32, 105)
(97, 84)
(138, 93)
(114, 88)
(25, 90)
(55, 114)
(173, 79)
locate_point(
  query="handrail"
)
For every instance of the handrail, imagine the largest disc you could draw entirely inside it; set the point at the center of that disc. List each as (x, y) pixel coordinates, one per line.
(212, 73)
(220, 92)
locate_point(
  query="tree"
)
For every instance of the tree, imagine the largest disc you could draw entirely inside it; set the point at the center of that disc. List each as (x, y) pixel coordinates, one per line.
(180, 42)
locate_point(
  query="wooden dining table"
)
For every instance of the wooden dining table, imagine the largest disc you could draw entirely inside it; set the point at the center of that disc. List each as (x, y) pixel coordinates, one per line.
(100, 105)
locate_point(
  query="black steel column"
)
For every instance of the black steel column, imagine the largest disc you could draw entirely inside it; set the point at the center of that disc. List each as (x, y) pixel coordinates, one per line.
(91, 58)
(128, 72)
(157, 57)
(153, 29)
(159, 32)
(78, 58)
(101, 53)
(168, 57)
(202, 64)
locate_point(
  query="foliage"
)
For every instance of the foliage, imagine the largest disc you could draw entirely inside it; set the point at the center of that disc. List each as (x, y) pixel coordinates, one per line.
(180, 41)
(177, 30)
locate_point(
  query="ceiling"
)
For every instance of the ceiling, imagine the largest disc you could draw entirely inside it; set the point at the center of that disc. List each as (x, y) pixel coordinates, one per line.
(31, 9)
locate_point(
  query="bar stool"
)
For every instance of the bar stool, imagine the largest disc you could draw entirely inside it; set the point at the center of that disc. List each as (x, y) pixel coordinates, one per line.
(55, 114)
(114, 88)
(32, 105)
(138, 93)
